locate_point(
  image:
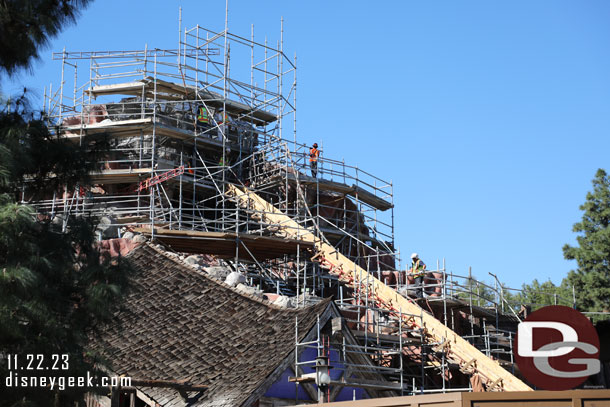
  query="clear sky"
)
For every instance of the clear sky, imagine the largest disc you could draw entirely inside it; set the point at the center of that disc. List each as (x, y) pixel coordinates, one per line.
(491, 118)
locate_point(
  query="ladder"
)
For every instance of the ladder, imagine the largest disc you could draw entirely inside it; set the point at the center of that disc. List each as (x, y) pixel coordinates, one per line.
(157, 179)
(457, 349)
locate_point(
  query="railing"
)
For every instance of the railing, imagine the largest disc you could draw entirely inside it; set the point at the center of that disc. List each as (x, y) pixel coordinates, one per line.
(337, 171)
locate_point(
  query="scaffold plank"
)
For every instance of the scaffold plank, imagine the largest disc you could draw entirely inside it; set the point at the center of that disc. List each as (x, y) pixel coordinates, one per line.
(458, 349)
(128, 88)
(119, 176)
(224, 244)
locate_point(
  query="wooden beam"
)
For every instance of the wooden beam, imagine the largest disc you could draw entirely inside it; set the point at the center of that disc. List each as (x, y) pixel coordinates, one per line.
(458, 349)
(306, 382)
(334, 391)
(223, 244)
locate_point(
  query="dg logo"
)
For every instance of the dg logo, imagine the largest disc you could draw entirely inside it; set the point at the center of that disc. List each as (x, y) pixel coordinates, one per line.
(556, 348)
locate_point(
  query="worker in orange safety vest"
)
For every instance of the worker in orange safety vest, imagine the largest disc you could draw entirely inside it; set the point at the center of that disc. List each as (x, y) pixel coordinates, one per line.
(314, 153)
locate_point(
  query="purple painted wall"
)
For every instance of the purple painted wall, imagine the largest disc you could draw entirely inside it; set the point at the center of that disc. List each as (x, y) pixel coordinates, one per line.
(282, 388)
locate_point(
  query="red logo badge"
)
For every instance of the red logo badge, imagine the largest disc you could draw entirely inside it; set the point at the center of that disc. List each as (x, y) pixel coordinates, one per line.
(556, 348)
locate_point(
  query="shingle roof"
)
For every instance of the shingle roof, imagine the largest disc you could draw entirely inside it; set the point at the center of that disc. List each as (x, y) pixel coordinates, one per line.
(181, 324)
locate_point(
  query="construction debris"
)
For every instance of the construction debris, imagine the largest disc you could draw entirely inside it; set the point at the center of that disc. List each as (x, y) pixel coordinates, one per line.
(235, 278)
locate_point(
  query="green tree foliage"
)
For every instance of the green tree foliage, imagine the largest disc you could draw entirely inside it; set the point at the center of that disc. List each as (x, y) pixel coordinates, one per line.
(539, 294)
(591, 279)
(56, 289)
(55, 292)
(32, 154)
(27, 25)
(479, 291)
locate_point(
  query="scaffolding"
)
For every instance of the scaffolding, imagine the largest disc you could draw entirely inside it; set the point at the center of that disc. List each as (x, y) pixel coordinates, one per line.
(408, 361)
(181, 165)
(172, 173)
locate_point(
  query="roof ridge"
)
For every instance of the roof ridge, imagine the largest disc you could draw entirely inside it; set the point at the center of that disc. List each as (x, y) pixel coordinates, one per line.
(157, 247)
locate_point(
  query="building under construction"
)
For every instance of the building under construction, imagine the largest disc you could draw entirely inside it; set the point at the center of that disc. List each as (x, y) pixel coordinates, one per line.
(274, 272)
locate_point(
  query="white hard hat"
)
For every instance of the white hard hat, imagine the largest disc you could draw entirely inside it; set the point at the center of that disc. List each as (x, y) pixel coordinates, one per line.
(414, 256)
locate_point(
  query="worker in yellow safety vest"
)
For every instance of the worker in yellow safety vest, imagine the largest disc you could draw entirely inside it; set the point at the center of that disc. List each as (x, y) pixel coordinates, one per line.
(202, 115)
(418, 272)
(224, 159)
(314, 154)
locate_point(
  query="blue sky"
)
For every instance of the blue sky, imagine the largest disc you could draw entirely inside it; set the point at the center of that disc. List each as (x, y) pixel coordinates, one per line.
(491, 118)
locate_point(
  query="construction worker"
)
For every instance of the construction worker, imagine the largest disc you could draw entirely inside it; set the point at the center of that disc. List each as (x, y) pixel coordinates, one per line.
(418, 272)
(203, 118)
(314, 153)
(224, 159)
(223, 119)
